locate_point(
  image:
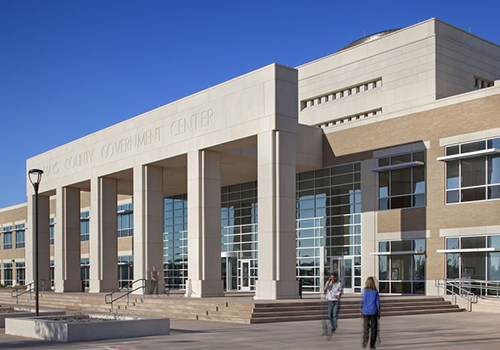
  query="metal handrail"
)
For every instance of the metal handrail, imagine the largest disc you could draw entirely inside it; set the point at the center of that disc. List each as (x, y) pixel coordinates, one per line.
(129, 289)
(456, 288)
(26, 289)
(483, 287)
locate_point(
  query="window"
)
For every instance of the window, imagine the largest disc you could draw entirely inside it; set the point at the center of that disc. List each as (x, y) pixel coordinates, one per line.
(51, 230)
(20, 273)
(7, 237)
(84, 226)
(402, 266)
(480, 83)
(52, 273)
(328, 225)
(401, 181)
(472, 171)
(85, 271)
(175, 253)
(475, 257)
(20, 234)
(7, 274)
(125, 270)
(125, 220)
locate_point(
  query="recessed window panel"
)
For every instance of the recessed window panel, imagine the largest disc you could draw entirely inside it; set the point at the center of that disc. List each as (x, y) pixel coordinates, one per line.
(383, 287)
(419, 245)
(493, 192)
(419, 200)
(384, 161)
(342, 179)
(401, 182)
(474, 194)
(342, 189)
(494, 266)
(453, 243)
(494, 242)
(306, 185)
(494, 143)
(383, 189)
(400, 202)
(453, 196)
(383, 246)
(383, 203)
(452, 150)
(473, 146)
(453, 175)
(418, 180)
(401, 246)
(473, 242)
(494, 170)
(306, 176)
(473, 171)
(324, 182)
(403, 158)
(419, 156)
(322, 172)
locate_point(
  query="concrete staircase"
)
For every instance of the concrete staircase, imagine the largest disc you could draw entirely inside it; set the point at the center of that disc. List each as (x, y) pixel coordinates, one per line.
(234, 309)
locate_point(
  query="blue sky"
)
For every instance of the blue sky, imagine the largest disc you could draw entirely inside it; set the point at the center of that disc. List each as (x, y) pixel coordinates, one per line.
(69, 68)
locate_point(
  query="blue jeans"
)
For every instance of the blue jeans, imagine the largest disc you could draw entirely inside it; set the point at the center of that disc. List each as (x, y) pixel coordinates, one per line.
(333, 312)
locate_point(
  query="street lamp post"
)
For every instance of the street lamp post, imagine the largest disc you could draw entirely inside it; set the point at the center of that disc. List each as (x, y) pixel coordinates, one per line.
(35, 176)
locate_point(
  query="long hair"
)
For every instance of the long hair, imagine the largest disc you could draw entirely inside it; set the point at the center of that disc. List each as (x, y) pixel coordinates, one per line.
(370, 284)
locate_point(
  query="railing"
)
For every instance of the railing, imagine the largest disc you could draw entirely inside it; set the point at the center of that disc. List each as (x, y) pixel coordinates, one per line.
(482, 288)
(128, 289)
(457, 288)
(25, 289)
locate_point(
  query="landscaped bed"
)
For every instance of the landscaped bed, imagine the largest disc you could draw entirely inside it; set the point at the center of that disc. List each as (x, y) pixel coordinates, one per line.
(19, 311)
(85, 327)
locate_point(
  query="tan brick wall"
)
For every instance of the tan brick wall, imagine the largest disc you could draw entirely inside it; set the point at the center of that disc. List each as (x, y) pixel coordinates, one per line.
(355, 144)
(400, 220)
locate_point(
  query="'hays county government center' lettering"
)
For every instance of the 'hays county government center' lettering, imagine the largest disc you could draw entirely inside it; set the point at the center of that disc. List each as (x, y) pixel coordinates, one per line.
(132, 142)
(178, 127)
(191, 123)
(123, 145)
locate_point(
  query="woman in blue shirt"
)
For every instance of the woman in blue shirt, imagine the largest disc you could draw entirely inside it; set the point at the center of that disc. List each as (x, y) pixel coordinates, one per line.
(370, 310)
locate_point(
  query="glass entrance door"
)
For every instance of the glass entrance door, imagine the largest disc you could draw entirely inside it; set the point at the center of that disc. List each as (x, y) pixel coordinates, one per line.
(245, 275)
(229, 272)
(342, 266)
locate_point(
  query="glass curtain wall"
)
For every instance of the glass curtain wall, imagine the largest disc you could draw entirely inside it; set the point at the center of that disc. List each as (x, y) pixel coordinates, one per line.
(402, 266)
(20, 273)
(239, 230)
(473, 178)
(329, 225)
(85, 272)
(125, 270)
(175, 258)
(479, 265)
(7, 274)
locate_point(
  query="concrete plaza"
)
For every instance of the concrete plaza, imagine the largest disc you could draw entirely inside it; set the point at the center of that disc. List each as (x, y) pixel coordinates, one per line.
(434, 331)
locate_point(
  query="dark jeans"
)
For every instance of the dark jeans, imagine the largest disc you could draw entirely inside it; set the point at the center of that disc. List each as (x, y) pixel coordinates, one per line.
(154, 286)
(370, 322)
(333, 312)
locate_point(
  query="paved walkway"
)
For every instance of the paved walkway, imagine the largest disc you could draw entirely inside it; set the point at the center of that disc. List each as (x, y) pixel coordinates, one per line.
(439, 331)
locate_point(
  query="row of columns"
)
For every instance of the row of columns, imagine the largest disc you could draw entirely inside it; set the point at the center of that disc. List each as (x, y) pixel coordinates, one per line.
(276, 233)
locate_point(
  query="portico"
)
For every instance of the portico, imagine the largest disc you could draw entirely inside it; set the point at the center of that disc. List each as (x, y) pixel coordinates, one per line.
(245, 129)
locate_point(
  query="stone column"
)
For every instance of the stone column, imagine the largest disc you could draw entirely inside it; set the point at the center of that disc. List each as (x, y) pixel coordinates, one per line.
(103, 238)
(148, 221)
(276, 198)
(204, 225)
(43, 241)
(67, 241)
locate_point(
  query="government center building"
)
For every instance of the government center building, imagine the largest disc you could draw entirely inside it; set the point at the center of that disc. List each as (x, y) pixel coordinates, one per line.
(381, 159)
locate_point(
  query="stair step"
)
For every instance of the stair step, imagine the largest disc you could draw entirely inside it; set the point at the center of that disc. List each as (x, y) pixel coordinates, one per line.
(245, 311)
